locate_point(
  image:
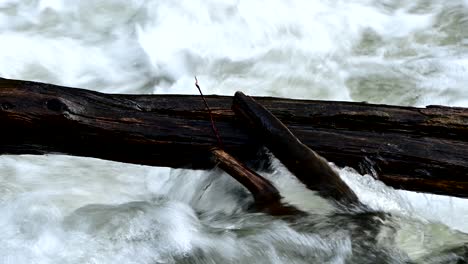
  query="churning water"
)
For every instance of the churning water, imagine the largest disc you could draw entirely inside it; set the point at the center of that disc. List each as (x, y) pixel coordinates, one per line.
(58, 209)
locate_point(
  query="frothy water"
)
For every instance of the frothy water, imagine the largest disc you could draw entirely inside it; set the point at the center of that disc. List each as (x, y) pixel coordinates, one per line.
(58, 209)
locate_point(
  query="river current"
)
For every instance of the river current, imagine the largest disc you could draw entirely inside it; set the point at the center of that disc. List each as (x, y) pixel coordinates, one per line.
(61, 209)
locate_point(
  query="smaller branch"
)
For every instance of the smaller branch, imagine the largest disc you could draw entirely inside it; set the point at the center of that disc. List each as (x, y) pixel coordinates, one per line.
(213, 126)
(267, 198)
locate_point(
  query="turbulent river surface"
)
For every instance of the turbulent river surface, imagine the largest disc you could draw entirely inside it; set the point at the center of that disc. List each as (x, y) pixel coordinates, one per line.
(60, 209)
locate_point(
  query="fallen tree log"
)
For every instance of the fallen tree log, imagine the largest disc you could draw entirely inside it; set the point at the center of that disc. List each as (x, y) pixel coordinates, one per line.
(311, 169)
(420, 149)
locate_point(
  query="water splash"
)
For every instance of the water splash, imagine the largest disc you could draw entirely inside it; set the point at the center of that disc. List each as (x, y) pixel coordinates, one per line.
(58, 209)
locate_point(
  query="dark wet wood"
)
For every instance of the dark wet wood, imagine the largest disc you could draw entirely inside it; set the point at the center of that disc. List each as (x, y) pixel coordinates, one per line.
(409, 148)
(309, 167)
(266, 197)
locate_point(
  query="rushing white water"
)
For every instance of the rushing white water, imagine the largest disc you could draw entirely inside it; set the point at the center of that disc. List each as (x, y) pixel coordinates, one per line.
(58, 209)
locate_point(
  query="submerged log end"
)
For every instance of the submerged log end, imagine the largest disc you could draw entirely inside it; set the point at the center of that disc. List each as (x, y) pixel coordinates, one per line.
(266, 197)
(261, 188)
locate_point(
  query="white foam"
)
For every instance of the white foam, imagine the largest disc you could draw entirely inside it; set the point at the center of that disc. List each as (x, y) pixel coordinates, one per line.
(423, 206)
(392, 52)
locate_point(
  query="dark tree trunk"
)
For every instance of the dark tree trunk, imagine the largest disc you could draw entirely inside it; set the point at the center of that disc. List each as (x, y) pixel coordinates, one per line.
(420, 149)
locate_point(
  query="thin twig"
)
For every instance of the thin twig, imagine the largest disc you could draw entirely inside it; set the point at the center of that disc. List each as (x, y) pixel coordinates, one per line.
(213, 126)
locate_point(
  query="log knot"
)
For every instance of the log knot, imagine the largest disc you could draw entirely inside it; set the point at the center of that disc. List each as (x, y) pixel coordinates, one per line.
(6, 106)
(56, 105)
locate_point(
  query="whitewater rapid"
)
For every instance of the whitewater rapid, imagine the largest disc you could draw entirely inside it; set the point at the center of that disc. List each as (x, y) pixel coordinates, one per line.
(59, 209)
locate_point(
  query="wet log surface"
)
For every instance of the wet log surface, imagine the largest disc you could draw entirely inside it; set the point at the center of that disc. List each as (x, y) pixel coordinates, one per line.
(420, 149)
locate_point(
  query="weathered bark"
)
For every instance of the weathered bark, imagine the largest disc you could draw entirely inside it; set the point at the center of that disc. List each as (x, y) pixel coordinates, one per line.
(311, 169)
(266, 197)
(421, 149)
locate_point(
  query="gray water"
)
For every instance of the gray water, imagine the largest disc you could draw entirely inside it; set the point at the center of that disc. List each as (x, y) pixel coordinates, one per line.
(59, 209)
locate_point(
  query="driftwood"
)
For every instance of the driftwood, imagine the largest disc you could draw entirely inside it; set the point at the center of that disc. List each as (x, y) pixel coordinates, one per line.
(311, 169)
(266, 197)
(420, 149)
